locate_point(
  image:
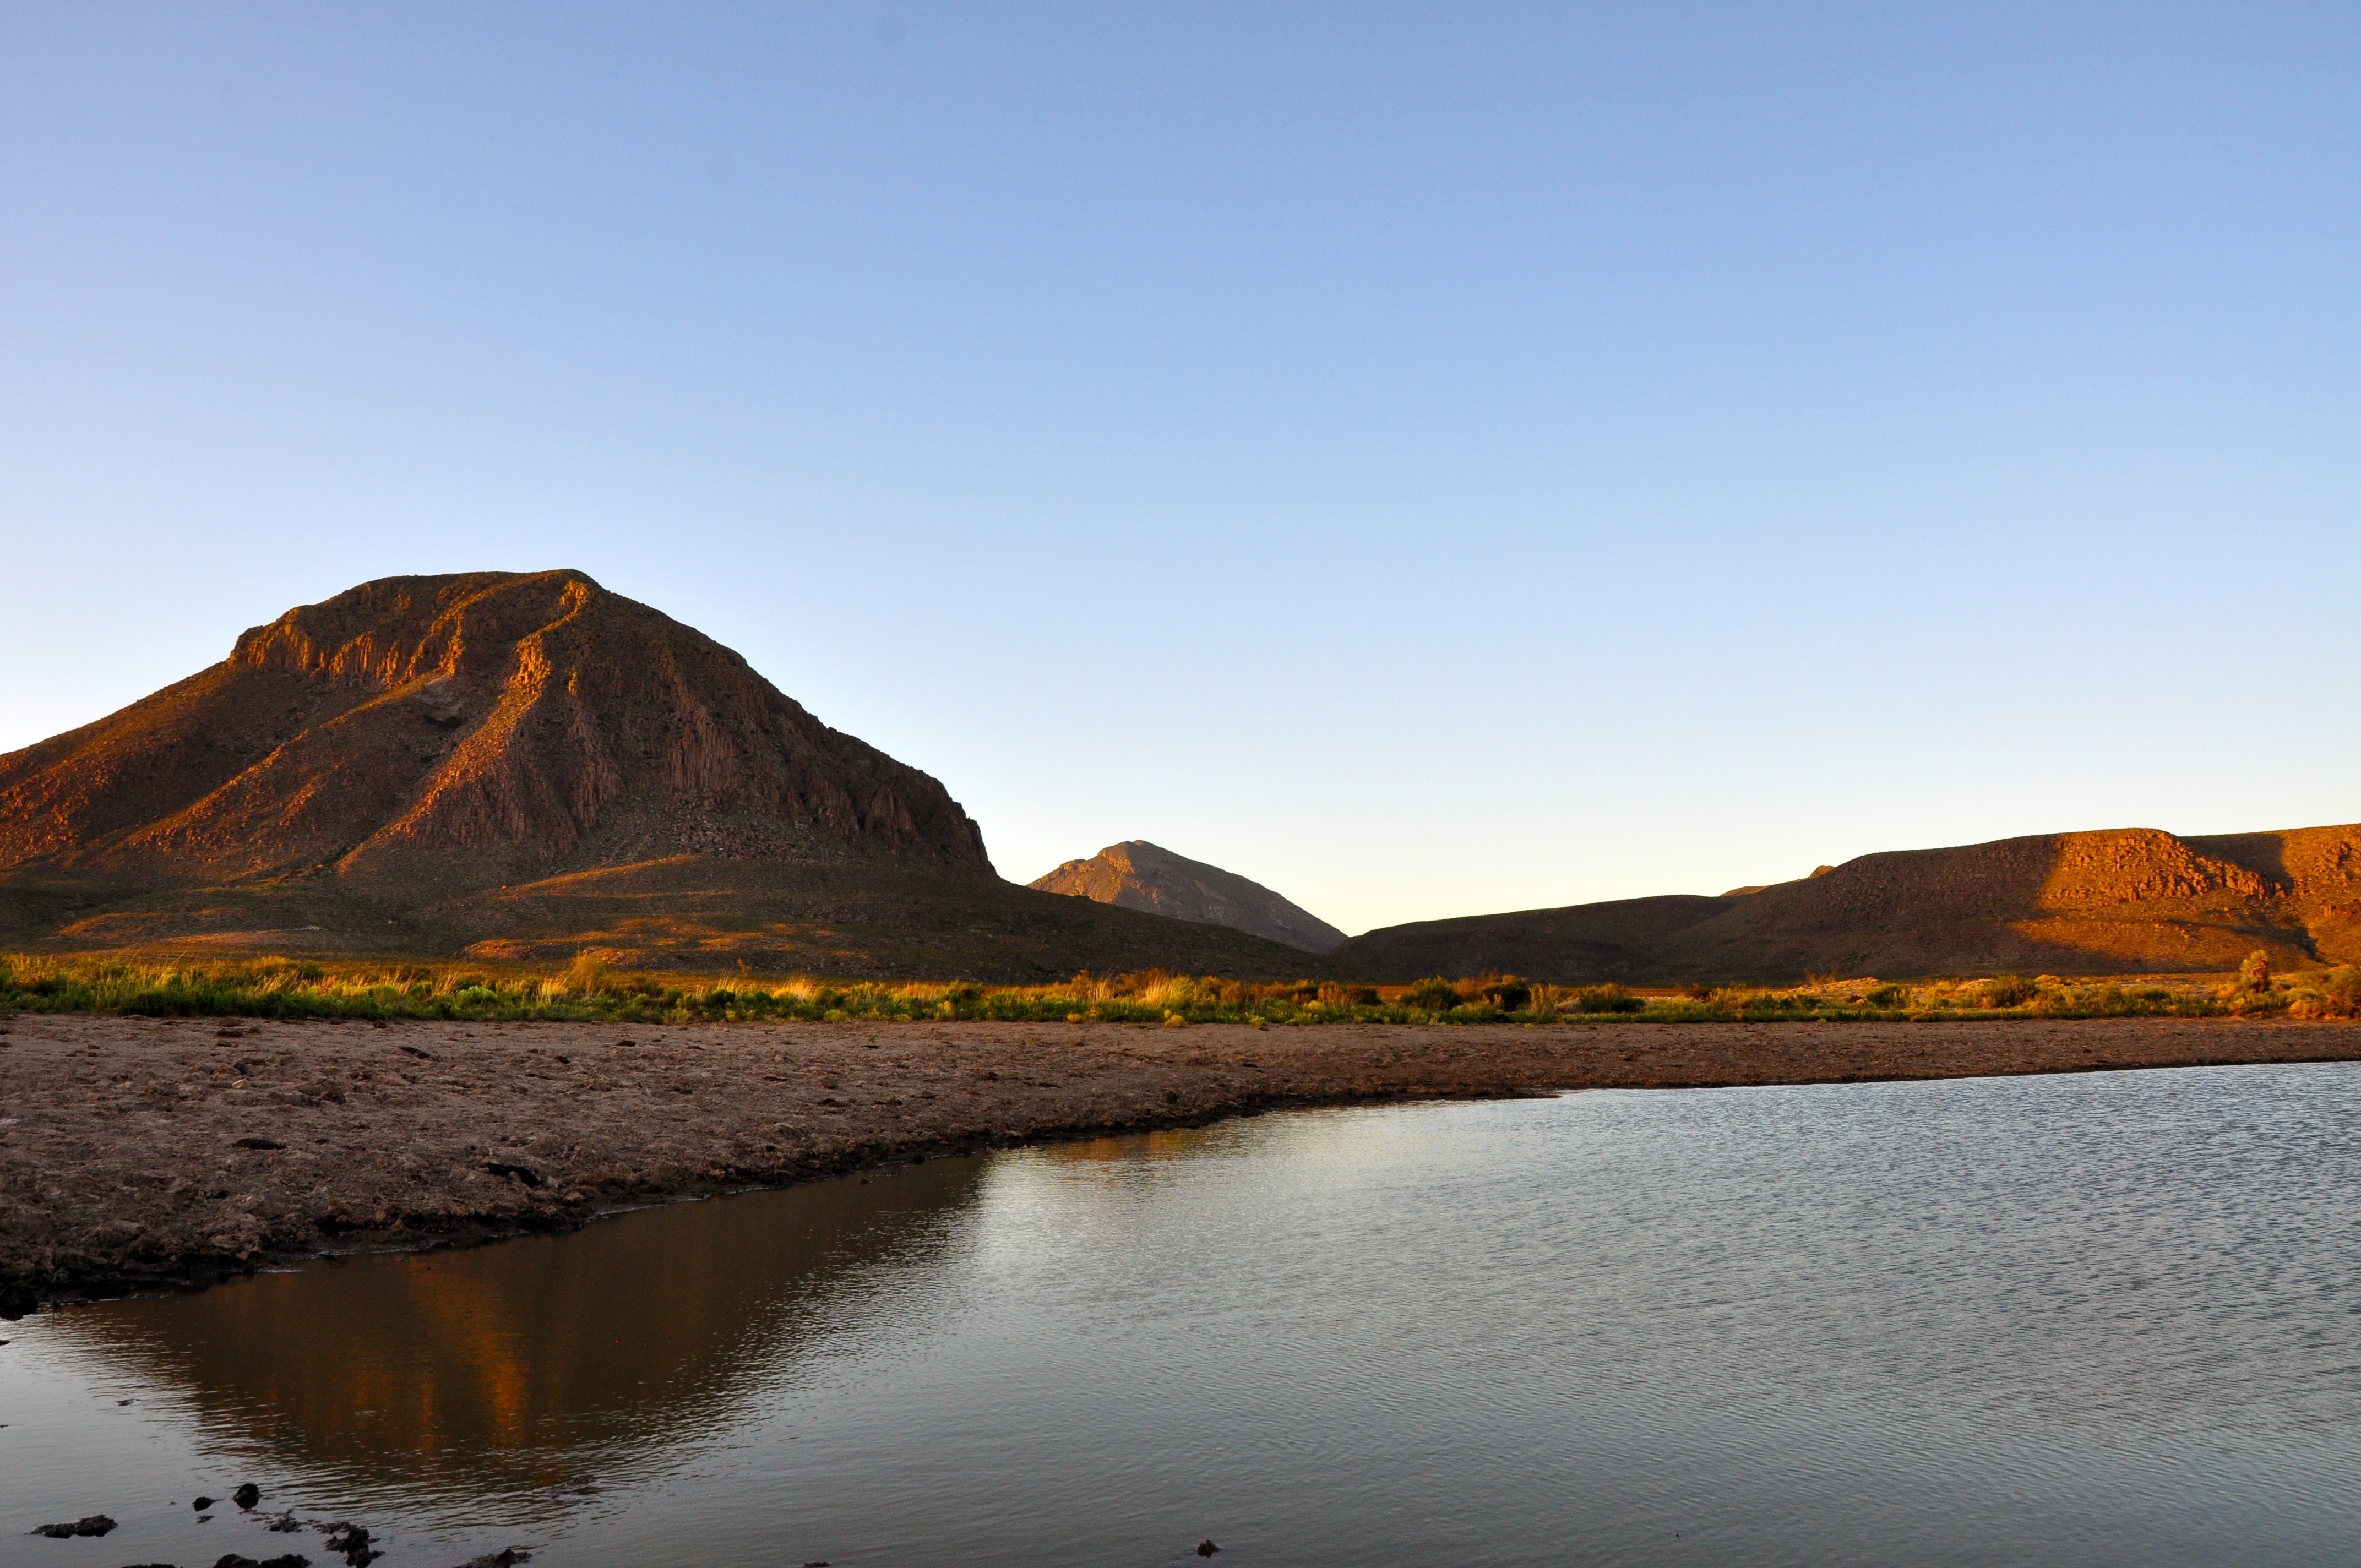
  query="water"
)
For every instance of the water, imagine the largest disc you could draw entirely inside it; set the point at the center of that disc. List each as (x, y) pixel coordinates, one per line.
(2105, 1319)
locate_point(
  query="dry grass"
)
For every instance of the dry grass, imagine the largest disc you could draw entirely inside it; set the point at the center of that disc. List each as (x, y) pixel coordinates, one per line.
(590, 989)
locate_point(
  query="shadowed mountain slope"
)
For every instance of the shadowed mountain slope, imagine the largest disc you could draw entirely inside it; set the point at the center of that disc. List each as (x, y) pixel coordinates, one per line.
(2120, 901)
(1137, 874)
(525, 763)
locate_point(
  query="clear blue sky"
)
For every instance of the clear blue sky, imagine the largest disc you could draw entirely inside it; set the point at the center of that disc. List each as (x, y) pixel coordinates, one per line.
(1428, 459)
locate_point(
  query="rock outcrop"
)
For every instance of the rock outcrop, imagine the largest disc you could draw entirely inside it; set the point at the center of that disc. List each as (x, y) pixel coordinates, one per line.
(1137, 874)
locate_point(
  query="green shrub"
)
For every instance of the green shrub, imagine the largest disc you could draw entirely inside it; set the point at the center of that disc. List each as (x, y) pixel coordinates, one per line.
(2008, 991)
(2336, 995)
(1509, 996)
(1607, 999)
(1888, 997)
(1434, 995)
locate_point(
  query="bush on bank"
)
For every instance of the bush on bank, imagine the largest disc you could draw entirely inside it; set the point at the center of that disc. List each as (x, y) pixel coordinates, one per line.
(588, 991)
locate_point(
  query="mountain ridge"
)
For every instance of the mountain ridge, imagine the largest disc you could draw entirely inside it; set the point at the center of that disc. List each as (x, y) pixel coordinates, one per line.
(2113, 901)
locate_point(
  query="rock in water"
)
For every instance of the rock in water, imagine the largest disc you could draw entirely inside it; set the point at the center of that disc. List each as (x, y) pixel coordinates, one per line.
(246, 1495)
(94, 1524)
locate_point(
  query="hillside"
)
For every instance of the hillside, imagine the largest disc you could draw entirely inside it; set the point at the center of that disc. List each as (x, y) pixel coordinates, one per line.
(511, 764)
(1137, 874)
(2122, 901)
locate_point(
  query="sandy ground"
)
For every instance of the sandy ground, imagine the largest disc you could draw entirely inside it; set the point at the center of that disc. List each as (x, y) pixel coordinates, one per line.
(137, 1151)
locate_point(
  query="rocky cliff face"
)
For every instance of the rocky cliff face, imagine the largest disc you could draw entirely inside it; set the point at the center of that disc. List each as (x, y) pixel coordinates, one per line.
(464, 731)
(1138, 875)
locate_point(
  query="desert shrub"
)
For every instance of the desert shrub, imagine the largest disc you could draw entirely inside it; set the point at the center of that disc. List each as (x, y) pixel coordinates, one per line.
(2336, 995)
(1608, 998)
(2009, 990)
(1435, 994)
(1698, 991)
(1509, 995)
(1887, 996)
(2255, 974)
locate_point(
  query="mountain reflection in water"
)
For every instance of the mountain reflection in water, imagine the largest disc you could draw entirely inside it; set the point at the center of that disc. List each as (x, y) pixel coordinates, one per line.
(435, 1380)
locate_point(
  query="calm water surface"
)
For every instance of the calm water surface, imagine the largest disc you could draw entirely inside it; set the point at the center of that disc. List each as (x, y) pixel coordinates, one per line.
(2107, 1318)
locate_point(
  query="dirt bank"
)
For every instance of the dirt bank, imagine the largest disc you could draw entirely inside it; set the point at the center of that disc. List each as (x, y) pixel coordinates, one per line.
(138, 1151)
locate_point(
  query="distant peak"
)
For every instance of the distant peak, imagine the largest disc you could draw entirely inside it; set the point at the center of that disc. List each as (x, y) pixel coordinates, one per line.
(1137, 874)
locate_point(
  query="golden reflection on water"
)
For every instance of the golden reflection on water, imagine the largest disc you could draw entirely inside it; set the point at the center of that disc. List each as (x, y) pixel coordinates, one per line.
(523, 1365)
(1130, 1148)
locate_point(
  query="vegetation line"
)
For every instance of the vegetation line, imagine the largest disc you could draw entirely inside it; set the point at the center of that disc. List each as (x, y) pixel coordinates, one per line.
(588, 992)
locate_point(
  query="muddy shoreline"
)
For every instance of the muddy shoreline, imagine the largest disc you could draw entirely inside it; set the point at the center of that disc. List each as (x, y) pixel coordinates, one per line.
(145, 1151)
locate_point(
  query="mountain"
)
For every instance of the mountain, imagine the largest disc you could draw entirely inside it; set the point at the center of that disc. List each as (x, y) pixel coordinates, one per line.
(515, 765)
(2122, 901)
(466, 731)
(1137, 874)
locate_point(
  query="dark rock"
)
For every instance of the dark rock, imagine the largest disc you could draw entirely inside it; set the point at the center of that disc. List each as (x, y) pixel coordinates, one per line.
(414, 1050)
(505, 1557)
(202, 1504)
(1206, 1549)
(94, 1524)
(258, 1144)
(353, 1541)
(530, 1177)
(246, 1495)
(285, 1560)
